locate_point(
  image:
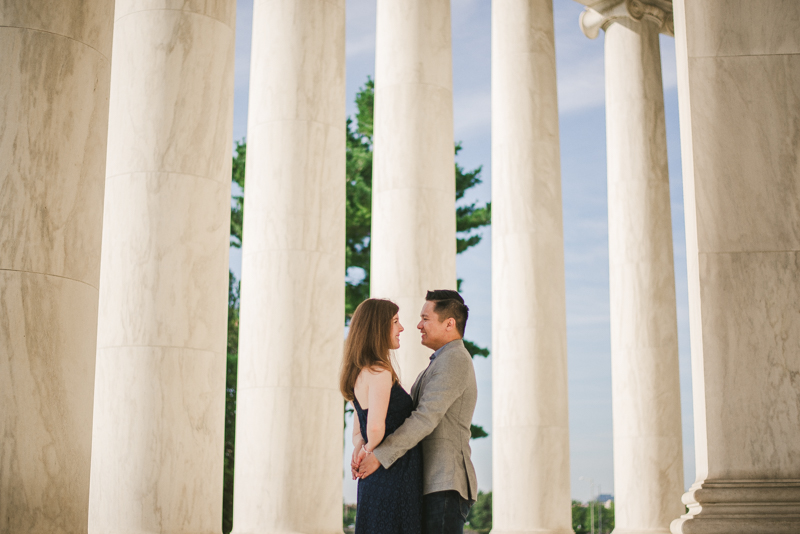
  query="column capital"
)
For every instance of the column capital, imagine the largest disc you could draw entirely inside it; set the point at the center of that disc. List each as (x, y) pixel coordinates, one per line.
(599, 14)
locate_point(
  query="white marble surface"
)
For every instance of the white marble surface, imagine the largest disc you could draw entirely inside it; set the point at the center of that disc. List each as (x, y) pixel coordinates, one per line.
(159, 412)
(162, 409)
(289, 481)
(52, 198)
(600, 14)
(289, 409)
(738, 70)
(85, 22)
(47, 367)
(413, 188)
(530, 461)
(648, 453)
(54, 81)
(163, 260)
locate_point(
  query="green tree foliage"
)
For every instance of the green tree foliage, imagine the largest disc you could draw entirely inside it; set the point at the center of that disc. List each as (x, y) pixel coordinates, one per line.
(237, 196)
(475, 350)
(477, 432)
(230, 432)
(583, 514)
(359, 200)
(348, 515)
(469, 217)
(480, 515)
(237, 210)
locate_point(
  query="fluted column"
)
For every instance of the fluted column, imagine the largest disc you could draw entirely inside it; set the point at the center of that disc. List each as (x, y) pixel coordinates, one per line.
(413, 243)
(738, 79)
(289, 409)
(159, 402)
(55, 69)
(530, 459)
(648, 453)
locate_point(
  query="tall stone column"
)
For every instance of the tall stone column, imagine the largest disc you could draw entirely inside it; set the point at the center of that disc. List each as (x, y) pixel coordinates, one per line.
(413, 186)
(55, 69)
(289, 409)
(738, 79)
(530, 460)
(159, 399)
(648, 453)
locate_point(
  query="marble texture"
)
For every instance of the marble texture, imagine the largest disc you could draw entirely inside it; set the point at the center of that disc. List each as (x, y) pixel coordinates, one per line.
(413, 187)
(600, 14)
(648, 453)
(289, 409)
(738, 73)
(54, 77)
(161, 345)
(163, 408)
(530, 462)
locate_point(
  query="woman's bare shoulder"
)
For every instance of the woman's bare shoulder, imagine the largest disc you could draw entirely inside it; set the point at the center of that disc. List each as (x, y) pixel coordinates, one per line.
(372, 375)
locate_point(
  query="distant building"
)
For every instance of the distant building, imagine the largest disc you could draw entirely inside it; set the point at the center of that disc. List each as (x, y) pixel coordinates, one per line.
(605, 499)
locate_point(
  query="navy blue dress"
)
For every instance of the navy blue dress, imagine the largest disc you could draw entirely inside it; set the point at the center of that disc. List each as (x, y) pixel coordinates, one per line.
(390, 500)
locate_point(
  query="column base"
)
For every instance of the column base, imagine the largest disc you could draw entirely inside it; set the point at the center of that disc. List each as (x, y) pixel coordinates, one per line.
(533, 531)
(741, 507)
(664, 530)
(270, 531)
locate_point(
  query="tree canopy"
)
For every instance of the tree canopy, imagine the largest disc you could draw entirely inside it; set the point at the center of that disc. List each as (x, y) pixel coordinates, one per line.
(469, 217)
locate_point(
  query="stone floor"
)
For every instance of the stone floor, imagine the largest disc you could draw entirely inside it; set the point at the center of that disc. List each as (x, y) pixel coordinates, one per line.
(351, 530)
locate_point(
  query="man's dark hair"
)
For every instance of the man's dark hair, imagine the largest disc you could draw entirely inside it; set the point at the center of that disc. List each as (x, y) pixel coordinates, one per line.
(450, 305)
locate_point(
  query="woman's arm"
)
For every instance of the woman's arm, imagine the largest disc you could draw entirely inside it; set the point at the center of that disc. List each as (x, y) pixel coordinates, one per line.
(358, 442)
(358, 439)
(379, 385)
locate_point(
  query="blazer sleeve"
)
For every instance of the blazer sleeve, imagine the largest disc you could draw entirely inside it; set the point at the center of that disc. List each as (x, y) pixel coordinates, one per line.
(445, 384)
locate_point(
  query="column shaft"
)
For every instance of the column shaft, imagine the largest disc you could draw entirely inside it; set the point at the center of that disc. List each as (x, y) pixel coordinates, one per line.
(159, 410)
(531, 488)
(289, 409)
(55, 69)
(738, 79)
(413, 188)
(648, 457)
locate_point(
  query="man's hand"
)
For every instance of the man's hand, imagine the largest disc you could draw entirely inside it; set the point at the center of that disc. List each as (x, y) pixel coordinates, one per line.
(358, 456)
(369, 464)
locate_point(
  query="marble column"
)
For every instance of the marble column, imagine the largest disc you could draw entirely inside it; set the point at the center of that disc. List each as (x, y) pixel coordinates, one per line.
(289, 409)
(161, 350)
(648, 453)
(738, 79)
(55, 69)
(413, 185)
(530, 460)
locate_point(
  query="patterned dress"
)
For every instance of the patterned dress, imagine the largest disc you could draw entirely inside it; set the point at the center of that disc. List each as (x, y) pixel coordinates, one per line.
(390, 500)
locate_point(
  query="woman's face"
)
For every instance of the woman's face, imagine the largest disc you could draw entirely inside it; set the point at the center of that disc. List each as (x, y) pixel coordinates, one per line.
(396, 329)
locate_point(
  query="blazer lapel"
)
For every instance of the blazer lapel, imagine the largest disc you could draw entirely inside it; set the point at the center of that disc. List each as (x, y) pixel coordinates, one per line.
(415, 389)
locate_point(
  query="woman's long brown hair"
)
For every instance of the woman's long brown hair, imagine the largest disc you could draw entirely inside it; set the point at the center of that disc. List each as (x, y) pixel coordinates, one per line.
(368, 343)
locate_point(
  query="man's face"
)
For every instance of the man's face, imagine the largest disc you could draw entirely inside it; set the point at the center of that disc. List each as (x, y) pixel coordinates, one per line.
(434, 333)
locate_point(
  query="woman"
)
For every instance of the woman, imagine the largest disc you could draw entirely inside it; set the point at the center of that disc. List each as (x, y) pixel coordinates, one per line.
(389, 500)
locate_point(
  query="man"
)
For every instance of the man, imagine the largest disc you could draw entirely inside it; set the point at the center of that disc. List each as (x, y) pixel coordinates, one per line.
(444, 394)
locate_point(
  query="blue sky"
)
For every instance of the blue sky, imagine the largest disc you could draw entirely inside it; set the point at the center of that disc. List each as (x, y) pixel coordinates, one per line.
(583, 173)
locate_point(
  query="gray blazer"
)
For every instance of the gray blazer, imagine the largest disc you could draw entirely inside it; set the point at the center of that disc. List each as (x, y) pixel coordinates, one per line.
(444, 395)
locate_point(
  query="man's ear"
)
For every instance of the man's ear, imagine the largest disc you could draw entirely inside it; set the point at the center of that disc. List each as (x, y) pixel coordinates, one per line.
(451, 323)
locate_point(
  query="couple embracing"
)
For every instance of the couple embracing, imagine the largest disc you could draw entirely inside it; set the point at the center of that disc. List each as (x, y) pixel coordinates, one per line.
(412, 454)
